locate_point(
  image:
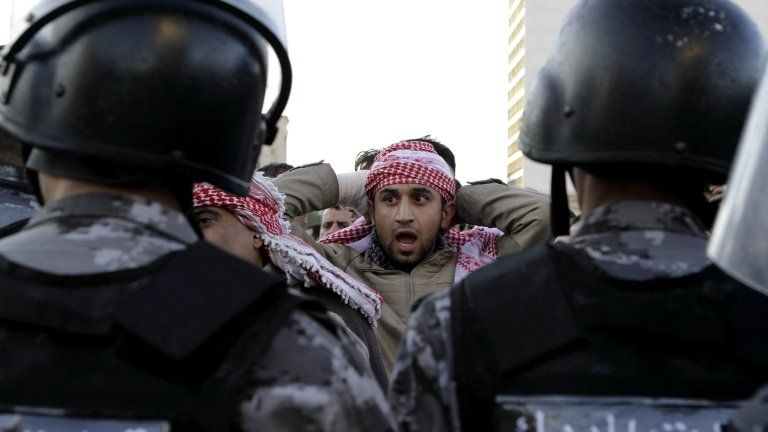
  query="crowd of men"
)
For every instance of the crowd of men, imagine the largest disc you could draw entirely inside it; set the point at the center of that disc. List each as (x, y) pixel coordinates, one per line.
(151, 280)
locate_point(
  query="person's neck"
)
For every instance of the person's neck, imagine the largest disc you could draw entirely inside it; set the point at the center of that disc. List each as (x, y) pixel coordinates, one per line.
(54, 188)
(594, 192)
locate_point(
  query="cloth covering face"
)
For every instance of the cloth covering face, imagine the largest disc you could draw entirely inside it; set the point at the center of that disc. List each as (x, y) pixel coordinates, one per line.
(261, 211)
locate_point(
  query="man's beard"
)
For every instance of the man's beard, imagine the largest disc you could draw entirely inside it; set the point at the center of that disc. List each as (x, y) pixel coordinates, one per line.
(382, 257)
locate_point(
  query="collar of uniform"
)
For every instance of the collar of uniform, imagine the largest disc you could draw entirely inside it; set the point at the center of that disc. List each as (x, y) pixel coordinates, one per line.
(159, 218)
(640, 216)
(643, 240)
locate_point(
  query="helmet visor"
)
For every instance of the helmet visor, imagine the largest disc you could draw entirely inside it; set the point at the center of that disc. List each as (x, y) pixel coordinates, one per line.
(17, 11)
(739, 243)
(268, 16)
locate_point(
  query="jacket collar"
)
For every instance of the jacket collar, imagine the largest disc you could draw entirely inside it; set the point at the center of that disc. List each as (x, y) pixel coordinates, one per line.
(641, 216)
(164, 220)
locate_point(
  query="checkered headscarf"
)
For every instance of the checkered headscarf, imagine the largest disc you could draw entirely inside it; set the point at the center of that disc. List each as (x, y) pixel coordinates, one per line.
(477, 246)
(411, 162)
(261, 211)
(416, 162)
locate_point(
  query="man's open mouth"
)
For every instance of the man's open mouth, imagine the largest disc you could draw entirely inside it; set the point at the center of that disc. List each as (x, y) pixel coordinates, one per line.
(406, 241)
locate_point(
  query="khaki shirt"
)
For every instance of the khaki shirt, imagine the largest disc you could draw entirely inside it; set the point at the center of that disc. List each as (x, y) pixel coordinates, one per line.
(522, 214)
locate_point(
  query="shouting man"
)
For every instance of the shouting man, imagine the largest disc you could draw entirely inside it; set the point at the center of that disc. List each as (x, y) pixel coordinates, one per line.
(407, 250)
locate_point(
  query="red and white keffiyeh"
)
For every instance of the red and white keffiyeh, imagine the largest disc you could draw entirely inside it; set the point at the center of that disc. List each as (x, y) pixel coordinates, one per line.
(411, 162)
(477, 247)
(416, 162)
(261, 211)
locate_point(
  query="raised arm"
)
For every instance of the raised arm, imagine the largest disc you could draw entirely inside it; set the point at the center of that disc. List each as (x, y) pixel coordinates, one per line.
(522, 214)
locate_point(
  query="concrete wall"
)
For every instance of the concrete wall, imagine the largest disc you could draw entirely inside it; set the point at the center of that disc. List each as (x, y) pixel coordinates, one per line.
(278, 150)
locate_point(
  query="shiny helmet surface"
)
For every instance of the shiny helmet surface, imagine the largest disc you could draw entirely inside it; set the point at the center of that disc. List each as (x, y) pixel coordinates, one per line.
(122, 91)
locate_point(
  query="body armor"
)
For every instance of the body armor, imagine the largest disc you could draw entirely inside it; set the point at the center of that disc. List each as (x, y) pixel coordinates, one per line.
(176, 338)
(681, 338)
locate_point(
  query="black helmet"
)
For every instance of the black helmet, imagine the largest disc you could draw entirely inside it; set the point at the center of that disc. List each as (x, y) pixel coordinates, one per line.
(659, 82)
(635, 83)
(132, 90)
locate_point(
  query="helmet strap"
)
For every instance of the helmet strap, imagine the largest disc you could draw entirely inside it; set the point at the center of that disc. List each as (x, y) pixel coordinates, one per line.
(559, 213)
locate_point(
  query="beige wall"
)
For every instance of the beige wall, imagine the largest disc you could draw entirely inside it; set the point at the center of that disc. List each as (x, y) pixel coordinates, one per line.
(277, 151)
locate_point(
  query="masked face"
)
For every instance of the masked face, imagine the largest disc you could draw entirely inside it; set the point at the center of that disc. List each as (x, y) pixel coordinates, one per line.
(224, 230)
(408, 219)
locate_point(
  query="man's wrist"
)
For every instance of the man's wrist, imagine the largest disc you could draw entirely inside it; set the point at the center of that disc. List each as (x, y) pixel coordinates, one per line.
(352, 191)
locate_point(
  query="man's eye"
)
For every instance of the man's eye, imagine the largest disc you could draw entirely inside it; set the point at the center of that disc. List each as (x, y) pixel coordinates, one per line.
(420, 198)
(327, 225)
(203, 220)
(389, 199)
(343, 225)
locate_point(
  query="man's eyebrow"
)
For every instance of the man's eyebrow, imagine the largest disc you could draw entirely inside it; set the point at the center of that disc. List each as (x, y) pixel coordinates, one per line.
(388, 190)
(422, 189)
(203, 210)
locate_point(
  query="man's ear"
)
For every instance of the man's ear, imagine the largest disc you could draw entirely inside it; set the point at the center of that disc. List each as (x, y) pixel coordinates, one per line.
(257, 242)
(369, 214)
(446, 218)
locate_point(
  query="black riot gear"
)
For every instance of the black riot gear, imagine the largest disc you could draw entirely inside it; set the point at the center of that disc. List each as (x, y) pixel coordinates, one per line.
(108, 91)
(679, 100)
(164, 348)
(656, 82)
(634, 92)
(114, 314)
(571, 328)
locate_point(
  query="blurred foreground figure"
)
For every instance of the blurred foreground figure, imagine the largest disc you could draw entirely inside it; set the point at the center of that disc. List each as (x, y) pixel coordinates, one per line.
(113, 314)
(627, 326)
(253, 229)
(739, 243)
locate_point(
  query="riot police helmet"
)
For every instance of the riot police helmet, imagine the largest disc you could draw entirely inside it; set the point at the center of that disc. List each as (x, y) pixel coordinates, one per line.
(655, 83)
(140, 91)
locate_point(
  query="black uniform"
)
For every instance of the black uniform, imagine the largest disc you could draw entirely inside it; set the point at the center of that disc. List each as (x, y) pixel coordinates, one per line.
(623, 309)
(111, 308)
(113, 314)
(631, 291)
(629, 305)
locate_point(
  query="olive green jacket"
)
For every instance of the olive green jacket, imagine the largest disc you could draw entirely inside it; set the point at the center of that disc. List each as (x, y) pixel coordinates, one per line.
(522, 214)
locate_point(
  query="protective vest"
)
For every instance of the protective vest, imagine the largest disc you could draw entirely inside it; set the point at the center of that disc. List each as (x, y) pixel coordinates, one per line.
(547, 321)
(169, 343)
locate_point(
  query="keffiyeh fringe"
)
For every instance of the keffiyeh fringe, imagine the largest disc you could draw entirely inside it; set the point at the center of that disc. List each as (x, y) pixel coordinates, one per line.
(261, 211)
(476, 247)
